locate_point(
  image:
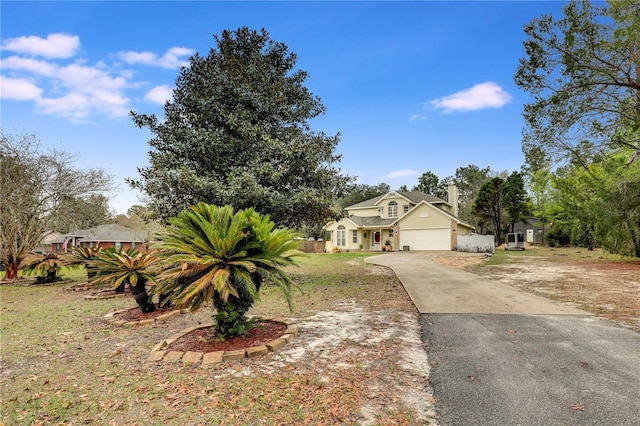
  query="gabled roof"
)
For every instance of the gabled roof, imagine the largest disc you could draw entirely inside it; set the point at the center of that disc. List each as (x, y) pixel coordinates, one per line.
(52, 238)
(439, 210)
(107, 233)
(375, 221)
(411, 196)
(371, 221)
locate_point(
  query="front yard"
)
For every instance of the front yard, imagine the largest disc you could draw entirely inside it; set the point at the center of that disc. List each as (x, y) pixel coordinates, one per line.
(357, 359)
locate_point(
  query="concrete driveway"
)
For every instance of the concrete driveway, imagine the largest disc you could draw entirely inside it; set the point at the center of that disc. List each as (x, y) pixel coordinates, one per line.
(500, 356)
(438, 289)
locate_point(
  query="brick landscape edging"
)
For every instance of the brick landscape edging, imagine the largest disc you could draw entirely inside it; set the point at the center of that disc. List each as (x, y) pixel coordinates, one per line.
(160, 353)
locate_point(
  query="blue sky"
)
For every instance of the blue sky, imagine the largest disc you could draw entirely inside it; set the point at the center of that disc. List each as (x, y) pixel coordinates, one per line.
(411, 86)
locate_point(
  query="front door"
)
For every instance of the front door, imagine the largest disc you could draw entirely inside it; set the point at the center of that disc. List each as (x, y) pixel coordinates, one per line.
(375, 241)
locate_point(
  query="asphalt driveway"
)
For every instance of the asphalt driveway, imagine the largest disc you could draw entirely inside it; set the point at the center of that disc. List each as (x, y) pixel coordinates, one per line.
(500, 356)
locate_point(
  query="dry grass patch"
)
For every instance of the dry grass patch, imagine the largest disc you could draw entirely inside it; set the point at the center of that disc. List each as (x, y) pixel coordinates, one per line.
(357, 359)
(605, 285)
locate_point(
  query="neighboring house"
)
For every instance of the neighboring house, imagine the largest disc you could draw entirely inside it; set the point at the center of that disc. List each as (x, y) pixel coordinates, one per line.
(46, 243)
(409, 220)
(105, 236)
(533, 230)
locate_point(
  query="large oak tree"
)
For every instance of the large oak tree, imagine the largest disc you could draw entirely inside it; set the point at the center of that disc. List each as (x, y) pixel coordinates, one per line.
(237, 132)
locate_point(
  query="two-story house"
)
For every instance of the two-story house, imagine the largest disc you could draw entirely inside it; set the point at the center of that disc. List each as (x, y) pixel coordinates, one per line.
(408, 220)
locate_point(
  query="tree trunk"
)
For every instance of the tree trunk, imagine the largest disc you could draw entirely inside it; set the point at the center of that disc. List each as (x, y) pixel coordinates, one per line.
(12, 268)
(636, 242)
(142, 298)
(91, 272)
(51, 277)
(230, 318)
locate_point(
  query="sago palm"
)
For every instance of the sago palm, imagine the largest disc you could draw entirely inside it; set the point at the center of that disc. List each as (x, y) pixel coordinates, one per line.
(132, 267)
(46, 266)
(80, 258)
(213, 254)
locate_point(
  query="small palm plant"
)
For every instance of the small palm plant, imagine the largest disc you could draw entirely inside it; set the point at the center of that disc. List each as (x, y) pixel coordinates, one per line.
(46, 266)
(131, 267)
(211, 254)
(80, 257)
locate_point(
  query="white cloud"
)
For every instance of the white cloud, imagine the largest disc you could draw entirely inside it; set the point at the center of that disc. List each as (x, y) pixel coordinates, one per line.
(480, 96)
(71, 105)
(54, 46)
(173, 58)
(86, 78)
(159, 95)
(78, 105)
(60, 85)
(18, 88)
(86, 90)
(131, 57)
(401, 173)
(418, 117)
(34, 66)
(73, 91)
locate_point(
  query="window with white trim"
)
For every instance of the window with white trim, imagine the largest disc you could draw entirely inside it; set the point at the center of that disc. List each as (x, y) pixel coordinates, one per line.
(341, 236)
(354, 236)
(405, 209)
(392, 209)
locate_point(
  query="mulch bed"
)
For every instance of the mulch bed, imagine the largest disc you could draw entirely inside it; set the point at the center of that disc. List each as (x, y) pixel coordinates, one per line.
(204, 340)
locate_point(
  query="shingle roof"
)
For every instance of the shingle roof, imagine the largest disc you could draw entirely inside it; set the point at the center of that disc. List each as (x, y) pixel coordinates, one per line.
(110, 232)
(413, 196)
(417, 196)
(371, 221)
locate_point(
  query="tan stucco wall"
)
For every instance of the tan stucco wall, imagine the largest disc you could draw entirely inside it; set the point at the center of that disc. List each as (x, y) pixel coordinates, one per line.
(463, 230)
(368, 212)
(361, 239)
(384, 205)
(425, 216)
(349, 228)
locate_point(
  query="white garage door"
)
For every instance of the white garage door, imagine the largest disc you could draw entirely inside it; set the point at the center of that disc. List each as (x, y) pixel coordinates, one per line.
(425, 239)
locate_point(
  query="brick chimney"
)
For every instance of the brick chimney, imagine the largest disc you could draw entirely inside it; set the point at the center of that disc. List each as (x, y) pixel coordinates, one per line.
(453, 199)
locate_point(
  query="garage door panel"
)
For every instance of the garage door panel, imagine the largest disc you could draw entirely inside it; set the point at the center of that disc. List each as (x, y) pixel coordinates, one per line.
(426, 239)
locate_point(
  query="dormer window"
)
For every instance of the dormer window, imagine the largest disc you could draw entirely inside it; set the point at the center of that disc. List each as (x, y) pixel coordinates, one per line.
(393, 209)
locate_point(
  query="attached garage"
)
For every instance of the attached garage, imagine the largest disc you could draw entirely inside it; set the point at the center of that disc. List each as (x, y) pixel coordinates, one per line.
(408, 220)
(425, 239)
